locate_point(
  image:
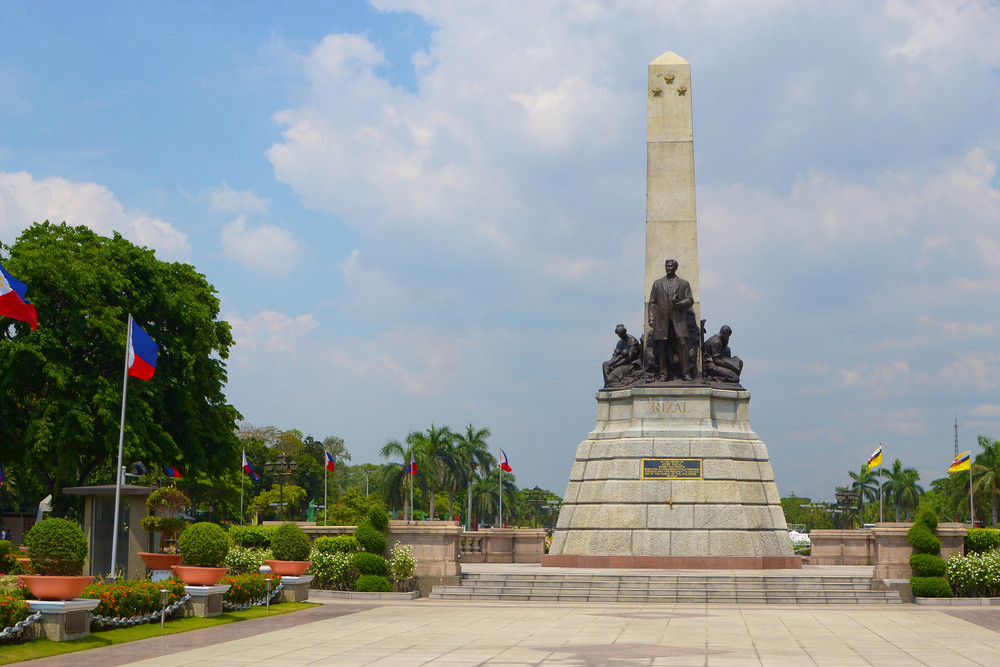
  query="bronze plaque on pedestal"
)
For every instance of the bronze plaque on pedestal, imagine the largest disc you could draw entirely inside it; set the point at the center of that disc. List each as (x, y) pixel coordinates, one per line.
(671, 469)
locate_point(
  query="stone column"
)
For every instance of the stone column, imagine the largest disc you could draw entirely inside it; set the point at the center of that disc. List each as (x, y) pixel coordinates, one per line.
(671, 224)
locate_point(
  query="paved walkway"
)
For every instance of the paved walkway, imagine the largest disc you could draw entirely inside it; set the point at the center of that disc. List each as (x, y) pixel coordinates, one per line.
(442, 632)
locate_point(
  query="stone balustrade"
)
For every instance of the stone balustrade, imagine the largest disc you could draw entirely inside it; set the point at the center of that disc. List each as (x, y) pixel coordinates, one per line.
(884, 546)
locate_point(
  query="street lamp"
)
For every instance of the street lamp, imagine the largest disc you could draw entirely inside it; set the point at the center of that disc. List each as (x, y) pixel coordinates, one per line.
(537, 496)
(281, 470)
(553, 504)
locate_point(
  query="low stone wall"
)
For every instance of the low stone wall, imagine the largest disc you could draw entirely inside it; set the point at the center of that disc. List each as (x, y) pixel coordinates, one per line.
(884, 546)
(503, 545)
(842, 547)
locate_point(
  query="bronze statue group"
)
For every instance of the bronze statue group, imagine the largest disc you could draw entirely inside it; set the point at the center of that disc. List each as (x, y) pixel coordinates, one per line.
(674, 349)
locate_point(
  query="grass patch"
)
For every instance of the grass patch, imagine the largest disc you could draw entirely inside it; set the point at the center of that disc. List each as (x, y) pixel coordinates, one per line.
(43, 648)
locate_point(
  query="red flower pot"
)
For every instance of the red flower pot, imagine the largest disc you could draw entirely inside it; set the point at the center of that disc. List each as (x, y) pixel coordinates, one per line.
(288, 568)
(158, 561)
(200, 576)
(53, 587)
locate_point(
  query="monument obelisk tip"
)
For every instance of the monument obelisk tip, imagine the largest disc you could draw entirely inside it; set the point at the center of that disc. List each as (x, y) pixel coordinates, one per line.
(670, 58)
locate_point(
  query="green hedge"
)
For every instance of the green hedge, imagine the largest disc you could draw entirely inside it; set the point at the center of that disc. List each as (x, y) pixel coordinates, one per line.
(930, 587)
(927, 565)
(379, 519)
(254, 537)
(56, 547)
(371, 538)
(981, 540)
(340, 544)
(926, 516)
(370, 583)
(923, 540)
(289, 542)
(368, 563)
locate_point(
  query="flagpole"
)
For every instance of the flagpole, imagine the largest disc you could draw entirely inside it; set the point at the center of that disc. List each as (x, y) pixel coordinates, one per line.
(972, 511)
(500, 518)
(412, 476)
(326, 483)
(880, 519)
(121, 442)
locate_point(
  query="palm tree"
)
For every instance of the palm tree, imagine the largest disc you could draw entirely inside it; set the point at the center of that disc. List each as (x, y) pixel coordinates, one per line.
(986, 473)
(908, 492)
(486, 492)
(865, 485)
(473, 454)
(432, 448)
(397, 476)
(902, 489)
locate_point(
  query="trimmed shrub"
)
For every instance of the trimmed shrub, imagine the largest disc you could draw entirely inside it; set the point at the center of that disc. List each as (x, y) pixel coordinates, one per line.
(930, 587)
(245, 560)
(204, 544)
(370, 583)
(975, 575)
(254, 537)
(289, 542)
(334, 571)
(6, 547)
(927, 565)
(56, 547)
(368, 563)
(981, 540)
(370, 538)
(379, 518)
(926, 516)
(923, 540)
(339, 544)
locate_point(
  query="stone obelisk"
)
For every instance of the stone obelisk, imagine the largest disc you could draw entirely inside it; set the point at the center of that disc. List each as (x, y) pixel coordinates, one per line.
(672, 476)
(671, 222)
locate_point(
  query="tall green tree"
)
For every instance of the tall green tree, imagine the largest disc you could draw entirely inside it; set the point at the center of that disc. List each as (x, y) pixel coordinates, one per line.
(397, 479)
(865, 484)
(474, 459)
(434, 451)
(62, 385)
(901, 490)
(986, 474)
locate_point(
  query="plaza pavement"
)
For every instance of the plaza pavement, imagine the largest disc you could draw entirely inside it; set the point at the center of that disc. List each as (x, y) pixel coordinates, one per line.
(444, 632)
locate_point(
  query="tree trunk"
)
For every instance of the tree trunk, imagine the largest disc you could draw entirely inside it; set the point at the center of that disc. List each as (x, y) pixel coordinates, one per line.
(451, 504)
(432, 504)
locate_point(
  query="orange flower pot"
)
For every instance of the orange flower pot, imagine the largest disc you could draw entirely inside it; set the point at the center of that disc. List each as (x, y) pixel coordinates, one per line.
(200, 576)
(158, 561)
(52, 587)
(289, 568)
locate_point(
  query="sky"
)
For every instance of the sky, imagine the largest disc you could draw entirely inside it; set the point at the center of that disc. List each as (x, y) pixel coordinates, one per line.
(424, 212)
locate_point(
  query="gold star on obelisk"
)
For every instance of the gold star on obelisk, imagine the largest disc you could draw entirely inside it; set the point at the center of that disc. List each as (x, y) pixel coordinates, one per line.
(681, 90)
(669, 78)
(656, 92)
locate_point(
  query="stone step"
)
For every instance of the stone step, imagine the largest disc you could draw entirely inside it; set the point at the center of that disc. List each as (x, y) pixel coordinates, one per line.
(695, 588)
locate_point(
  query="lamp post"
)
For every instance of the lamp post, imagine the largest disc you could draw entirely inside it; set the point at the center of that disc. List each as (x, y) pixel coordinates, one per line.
(537, 496)
(281, 470)
(553, 506)
(846, 500)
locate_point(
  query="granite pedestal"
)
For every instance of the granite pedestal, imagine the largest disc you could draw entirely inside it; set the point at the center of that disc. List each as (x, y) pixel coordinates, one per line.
(295, 589)
(672, 476)
(63, 620)
(206, 601)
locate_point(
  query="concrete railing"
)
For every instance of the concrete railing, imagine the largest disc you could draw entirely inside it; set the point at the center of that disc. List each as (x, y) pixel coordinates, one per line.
(884, 546)
(503, 545)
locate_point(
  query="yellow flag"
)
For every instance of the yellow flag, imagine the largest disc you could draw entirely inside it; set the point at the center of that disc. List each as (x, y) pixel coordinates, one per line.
(961, 462)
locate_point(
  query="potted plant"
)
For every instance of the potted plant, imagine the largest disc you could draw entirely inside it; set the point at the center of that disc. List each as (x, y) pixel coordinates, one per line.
(56, 551)
(164, 507)
(204, 547)
(290, 546)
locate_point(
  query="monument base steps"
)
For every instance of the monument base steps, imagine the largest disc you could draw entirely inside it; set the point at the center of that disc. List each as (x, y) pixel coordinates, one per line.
(766, 588)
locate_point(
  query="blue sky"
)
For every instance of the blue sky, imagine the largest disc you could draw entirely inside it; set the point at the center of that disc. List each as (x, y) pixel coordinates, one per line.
(423, 212)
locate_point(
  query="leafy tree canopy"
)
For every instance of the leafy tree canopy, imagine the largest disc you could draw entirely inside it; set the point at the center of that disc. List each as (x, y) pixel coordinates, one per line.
(62, 384)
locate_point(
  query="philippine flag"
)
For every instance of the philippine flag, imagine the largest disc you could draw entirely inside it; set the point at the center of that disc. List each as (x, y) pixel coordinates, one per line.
(413, 466)
(504, 465)
(173, 472)
(329, 462)
(12, 301)
(141, 353)
(249, 468)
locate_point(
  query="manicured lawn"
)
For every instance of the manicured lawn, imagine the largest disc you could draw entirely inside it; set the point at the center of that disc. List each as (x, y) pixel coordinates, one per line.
(42, 648)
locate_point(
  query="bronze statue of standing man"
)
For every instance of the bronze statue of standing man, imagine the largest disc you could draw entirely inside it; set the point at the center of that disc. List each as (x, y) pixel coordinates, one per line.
(669, 302)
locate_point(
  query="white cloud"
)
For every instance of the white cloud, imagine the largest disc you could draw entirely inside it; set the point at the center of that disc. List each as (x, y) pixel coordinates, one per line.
(24, 200)
(224, 198)
(264, 248)
(980, 370)
(270, 331)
